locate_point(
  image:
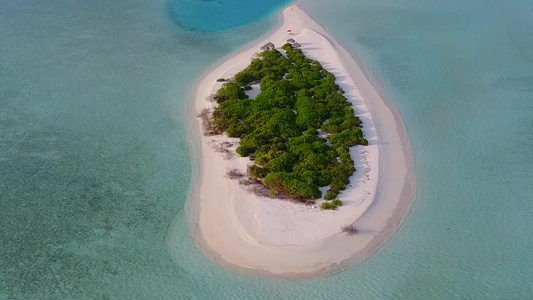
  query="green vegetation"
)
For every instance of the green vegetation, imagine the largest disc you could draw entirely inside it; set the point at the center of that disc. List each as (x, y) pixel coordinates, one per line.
(336, 202)
(331, 204)
(327, 205)
(285, 129)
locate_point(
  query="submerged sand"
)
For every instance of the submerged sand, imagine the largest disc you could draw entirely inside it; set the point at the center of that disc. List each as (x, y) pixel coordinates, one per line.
(241, 230)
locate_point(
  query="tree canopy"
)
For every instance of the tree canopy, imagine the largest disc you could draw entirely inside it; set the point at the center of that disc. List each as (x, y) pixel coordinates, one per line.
(299, 128)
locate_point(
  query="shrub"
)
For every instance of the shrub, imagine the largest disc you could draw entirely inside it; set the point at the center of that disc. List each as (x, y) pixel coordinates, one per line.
(331, 194)
(244, 77)
(336, 202)
(301, 189)
(244, 150)
(276, 181)
(247, 87)
(229, 90)
(331, 204)
(348, 137)
(327, 205)
(255, 171)
(282, 163)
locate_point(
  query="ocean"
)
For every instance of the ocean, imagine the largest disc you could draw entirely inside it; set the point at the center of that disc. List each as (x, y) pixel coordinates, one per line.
(95, 159)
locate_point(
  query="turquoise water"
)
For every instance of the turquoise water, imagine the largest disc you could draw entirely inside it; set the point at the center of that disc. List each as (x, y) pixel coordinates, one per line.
(95, 161)
(461, 74)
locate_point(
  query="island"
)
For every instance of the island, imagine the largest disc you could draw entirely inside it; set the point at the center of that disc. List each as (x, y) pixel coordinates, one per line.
(296, 149)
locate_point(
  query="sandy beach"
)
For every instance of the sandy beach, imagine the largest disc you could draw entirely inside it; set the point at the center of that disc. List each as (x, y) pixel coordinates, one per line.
(268, 236)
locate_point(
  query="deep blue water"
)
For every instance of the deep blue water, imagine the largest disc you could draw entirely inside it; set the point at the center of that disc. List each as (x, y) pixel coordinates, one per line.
(95, 161)
(219, 15)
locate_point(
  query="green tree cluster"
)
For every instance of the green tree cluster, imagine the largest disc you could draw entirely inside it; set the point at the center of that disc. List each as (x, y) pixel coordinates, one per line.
(279, 129)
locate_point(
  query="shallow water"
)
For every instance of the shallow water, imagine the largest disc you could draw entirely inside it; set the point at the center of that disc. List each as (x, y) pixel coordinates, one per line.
(95, 161)
(461, 74)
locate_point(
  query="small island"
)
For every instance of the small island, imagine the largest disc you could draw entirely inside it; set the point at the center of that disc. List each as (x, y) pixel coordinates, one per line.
(297, 130)
(280, 134)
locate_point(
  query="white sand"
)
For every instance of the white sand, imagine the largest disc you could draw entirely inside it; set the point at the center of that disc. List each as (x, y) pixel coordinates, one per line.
(272, 236)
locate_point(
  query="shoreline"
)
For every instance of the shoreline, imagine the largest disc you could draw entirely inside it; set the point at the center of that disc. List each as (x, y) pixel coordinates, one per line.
(235, 247)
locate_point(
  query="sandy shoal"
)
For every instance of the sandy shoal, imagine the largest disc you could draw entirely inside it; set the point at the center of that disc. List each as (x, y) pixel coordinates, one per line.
(274, 237)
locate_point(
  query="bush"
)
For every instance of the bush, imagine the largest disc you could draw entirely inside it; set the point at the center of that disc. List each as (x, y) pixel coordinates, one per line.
(247, 88)
(331, 204)
(245, 77)
(302, 190)
(331, 194)
(229, 90)
(348, 137)
(336, 202)
(255, 171)
(327, 205)
(276, 181)
(244, 150)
